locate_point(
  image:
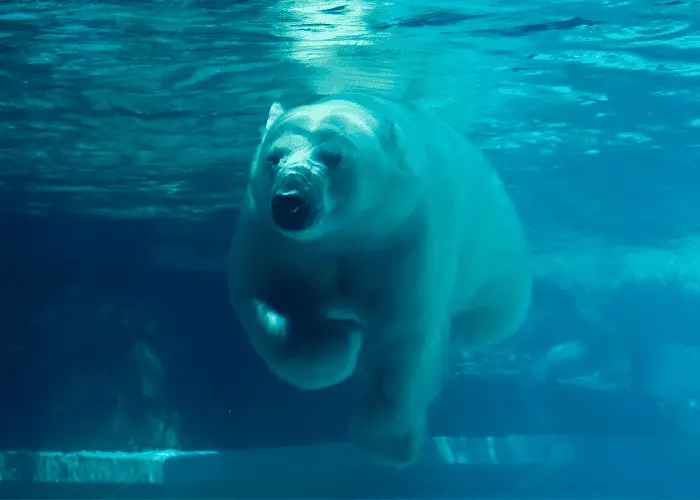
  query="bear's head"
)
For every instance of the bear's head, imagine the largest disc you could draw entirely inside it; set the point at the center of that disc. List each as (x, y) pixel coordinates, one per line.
(333, 168)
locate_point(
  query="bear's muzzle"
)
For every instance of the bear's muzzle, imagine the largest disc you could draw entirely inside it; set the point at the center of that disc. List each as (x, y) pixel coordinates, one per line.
(297, 198)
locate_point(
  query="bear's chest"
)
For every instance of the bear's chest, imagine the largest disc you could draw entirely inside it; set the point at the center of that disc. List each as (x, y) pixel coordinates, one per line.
(325, 276)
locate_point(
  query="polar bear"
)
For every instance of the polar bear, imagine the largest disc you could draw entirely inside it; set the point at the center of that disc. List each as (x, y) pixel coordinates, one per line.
(371, 235)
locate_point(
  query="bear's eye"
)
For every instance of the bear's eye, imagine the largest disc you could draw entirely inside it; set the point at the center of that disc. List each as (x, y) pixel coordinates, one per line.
(275, 157)
(330, 159)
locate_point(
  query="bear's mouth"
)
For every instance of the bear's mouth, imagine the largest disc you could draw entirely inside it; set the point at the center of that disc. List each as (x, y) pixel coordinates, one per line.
(296, 200)
(292, 211)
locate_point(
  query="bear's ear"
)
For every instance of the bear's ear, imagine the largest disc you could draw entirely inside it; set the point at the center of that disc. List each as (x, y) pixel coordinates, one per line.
(388, 135)
(387, 131)
(394, 142)
(276, 110)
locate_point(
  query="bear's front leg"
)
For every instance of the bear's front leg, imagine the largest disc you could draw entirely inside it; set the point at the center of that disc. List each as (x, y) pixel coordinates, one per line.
(401, 376)
(288, 328)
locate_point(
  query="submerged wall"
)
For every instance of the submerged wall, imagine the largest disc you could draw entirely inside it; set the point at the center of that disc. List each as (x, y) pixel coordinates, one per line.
(118, 335)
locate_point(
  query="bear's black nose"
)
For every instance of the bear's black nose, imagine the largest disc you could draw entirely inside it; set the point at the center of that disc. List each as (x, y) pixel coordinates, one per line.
(290, 211)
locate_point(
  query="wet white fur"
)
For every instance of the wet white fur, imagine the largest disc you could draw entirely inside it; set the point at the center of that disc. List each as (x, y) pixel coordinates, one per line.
(429, 244)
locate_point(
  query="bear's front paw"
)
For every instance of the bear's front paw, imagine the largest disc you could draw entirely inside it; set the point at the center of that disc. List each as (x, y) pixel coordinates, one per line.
(390, 437)
(274, 324)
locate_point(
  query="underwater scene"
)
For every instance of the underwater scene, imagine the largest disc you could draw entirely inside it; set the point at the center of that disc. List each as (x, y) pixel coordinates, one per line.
(350, 249)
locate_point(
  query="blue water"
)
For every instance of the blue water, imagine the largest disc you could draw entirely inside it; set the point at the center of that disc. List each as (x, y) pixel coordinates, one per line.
(126, 131)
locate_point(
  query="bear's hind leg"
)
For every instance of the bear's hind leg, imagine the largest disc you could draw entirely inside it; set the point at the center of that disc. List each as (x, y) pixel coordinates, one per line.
(487, 324)
(400, 379)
